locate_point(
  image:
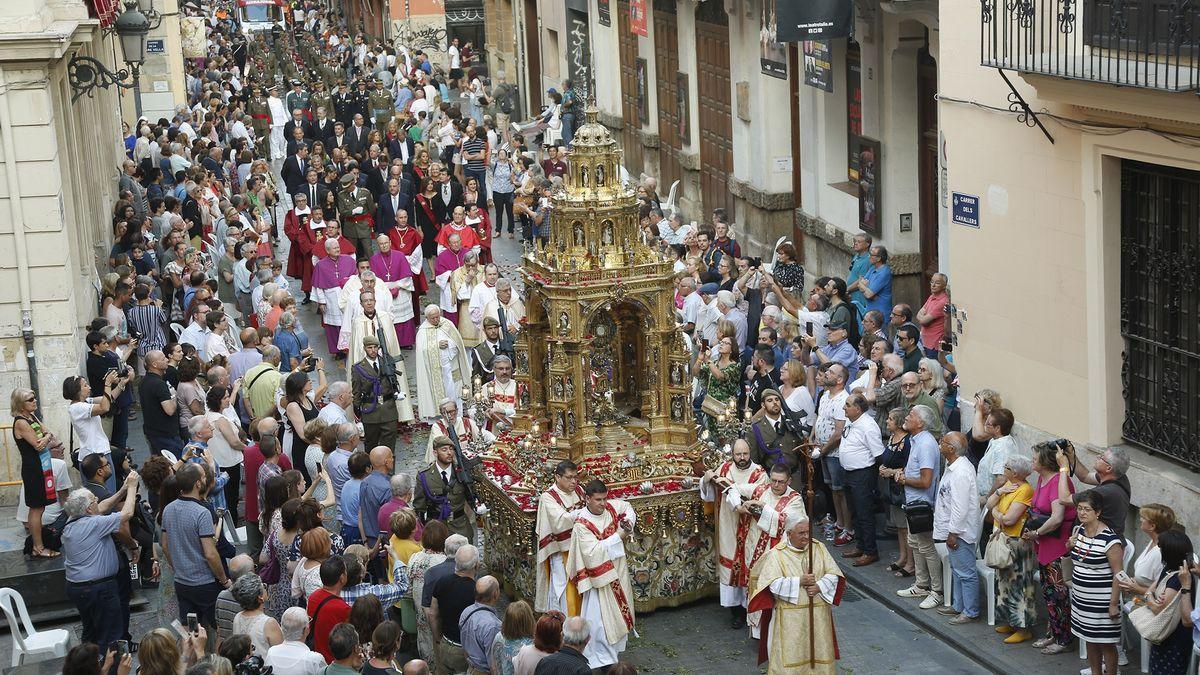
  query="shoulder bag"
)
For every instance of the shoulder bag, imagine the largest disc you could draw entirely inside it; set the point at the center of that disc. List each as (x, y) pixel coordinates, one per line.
(1156, 628)
(999, 552)
(920, 516)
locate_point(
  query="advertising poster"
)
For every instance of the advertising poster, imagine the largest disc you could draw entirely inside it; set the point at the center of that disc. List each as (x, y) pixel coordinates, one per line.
(869, 200)
(814, 20)
(638, 18)
(772, 57)
(818, 69)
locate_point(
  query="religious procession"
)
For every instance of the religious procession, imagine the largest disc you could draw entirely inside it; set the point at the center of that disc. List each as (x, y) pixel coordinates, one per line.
(431, 357)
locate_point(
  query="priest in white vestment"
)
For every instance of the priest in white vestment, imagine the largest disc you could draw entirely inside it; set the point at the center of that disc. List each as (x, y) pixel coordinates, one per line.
(483, 293)
(364, 319)
(442, 363)
(465, 428)
(723, 486)
(558, 507)
(768, 505)
(597, 565)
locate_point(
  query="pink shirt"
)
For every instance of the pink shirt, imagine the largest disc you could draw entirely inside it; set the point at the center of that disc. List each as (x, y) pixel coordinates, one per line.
(935, 306)
(252, 460)
(1051, 547)
(385, 516)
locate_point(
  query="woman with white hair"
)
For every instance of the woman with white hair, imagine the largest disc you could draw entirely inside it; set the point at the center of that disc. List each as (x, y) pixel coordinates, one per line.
(933, 381)
(1016, 596)
(251, 594)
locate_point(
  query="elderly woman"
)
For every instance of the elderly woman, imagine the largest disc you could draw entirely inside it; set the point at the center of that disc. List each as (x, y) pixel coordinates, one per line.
(1009, 507)
(1048, 529)
(251, 594)
(433, 552)
(933, 381)
(786, 271)
(1097, 552)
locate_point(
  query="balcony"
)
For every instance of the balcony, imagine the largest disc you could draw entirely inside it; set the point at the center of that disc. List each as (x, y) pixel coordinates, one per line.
(1149, 44)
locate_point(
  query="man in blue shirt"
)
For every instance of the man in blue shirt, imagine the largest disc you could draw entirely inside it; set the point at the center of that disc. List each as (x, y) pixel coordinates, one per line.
(876, 285)
(350, 501)
(91, 563)
(859, 264)
(919, 478)
(838, 349)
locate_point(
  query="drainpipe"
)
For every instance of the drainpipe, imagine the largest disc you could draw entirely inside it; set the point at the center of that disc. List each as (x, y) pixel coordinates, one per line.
(17, 213)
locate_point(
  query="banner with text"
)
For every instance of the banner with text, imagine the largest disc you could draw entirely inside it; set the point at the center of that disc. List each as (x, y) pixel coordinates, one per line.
(814, 20)
(638, 18)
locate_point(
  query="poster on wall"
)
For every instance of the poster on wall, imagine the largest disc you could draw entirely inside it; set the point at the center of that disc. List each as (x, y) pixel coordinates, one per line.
(684, 106)
(643, 91)
(603, 12)
(869, 156)
(638, 18)
(818, 69)
(814, 20)
(772, 57)
(579, 63)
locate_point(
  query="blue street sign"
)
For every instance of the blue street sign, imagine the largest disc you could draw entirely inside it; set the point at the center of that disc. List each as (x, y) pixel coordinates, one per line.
(964, 209)
(156, 47)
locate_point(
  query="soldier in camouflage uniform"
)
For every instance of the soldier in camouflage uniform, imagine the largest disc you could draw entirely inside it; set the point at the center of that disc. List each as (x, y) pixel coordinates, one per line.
(382, 108)
(260, 111)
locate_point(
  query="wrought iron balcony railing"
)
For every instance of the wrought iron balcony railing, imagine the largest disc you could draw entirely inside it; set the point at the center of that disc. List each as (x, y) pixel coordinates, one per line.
(1154, 44)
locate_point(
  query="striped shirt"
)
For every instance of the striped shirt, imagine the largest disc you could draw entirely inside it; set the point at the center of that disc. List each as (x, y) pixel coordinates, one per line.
(147, 321)
(474, 146)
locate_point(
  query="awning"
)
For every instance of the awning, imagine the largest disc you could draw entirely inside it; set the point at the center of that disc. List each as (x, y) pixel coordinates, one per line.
(105, 10)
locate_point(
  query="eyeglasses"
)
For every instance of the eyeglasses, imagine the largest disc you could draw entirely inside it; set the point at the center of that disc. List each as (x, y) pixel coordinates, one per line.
(907, 385)
(31, 399)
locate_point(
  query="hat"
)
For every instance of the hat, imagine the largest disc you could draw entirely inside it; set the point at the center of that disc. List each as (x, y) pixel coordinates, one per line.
(347, 179)
(551, 90)
(708, 289)
(441, 442)
(837, 325)
(771, 392)
(295, 83)
(369, 340)
(489, 321)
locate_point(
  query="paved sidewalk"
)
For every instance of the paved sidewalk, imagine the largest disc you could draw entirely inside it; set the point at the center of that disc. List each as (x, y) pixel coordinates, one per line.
(978, 641)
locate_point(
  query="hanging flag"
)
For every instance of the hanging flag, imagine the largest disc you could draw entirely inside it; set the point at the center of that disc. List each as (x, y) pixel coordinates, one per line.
(814, 20)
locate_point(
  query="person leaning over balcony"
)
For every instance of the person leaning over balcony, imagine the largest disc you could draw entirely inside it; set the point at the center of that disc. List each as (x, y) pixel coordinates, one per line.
(1048, 529)
(1016, 611)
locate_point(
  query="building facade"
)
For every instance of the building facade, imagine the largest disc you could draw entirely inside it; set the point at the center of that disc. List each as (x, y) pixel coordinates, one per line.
(1072, 253)
(700, 94)
(60, 161)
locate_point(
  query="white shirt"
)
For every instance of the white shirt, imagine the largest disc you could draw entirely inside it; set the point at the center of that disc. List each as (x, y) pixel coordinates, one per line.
(993, 461)
(62, 480)
(831, 409)
(455, 58)
(956, 510)
(861, 443)
(332, 414)
(222, 452)
(196, 335)
(691, 308)
(294, 658)
(89, 433)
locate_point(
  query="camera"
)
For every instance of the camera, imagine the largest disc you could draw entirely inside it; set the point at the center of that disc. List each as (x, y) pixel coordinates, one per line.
(754, 263)
(310, 363)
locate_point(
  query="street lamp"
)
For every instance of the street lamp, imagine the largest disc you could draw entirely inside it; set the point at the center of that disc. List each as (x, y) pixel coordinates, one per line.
(86, 73)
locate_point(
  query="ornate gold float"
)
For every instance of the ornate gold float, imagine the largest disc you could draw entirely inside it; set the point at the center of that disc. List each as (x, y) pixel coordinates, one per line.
(603, 380)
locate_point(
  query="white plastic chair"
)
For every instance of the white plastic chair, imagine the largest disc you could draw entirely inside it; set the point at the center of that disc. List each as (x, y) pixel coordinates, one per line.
(49, 642)
(1126, 558)
(177, 330)
(669, 206)
(988, 575)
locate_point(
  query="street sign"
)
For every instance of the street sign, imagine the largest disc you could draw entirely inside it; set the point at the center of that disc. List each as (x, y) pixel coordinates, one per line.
(156, 47)
(964, 209)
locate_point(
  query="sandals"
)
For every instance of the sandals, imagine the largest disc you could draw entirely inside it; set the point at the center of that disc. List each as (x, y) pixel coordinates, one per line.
(45, 553)
(903, 573)
(894, 567)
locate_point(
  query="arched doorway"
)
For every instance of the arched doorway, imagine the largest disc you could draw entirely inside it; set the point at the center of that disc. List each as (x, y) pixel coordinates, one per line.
(617, 358)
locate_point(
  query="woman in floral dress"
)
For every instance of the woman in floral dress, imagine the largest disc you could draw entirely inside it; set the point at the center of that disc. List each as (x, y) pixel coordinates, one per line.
(284, 531)
(433, 547)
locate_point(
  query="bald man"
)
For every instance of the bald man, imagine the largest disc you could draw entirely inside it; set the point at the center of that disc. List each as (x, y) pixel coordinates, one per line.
(375, 491)
(479, 624)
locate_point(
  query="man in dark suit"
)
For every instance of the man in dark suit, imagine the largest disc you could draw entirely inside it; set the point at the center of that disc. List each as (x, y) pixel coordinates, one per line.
(403, 149)
(322, 125)
(390, 203)
(298, 121)
(339, 139)
(356, 137)
(313, 187)
(295, 168)
(569, 659)
(449, 195)
(375, 173)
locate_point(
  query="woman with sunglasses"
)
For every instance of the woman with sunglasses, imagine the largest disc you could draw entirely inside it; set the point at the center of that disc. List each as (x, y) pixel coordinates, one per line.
(37, 479)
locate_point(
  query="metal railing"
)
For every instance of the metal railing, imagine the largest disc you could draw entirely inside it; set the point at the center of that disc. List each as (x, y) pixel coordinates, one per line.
(1153, 44)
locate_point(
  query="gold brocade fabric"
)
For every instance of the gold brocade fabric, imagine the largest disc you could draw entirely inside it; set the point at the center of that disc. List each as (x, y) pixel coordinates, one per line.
(790, 625)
